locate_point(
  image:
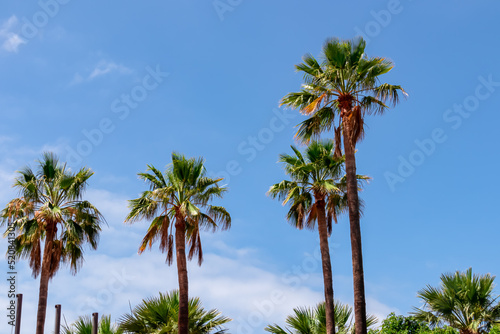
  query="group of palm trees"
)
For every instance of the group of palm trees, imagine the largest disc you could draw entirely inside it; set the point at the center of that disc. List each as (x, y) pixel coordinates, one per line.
(51, 211)
(463, 304)
(339, 90)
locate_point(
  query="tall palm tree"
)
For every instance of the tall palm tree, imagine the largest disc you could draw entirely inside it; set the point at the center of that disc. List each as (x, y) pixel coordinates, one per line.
(345, 84)
(463, 301)
(316, 193)
(313, 320)
(160, 315)
(176, 199)
(51, 214)
(83, 325)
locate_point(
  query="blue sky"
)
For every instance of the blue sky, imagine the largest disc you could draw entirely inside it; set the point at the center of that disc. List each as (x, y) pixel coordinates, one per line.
(118, 86)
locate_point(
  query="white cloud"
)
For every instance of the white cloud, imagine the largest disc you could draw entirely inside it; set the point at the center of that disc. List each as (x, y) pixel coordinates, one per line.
(113, 206)
(252, 296)
(11, 40)
(381, 311)
(105, 67)
(7, 176)
(102, 68)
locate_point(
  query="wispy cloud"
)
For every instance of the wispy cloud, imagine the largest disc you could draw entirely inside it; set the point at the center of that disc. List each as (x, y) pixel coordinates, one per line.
(110, 284)
(105, 67)
(102, 68)
(10, 40)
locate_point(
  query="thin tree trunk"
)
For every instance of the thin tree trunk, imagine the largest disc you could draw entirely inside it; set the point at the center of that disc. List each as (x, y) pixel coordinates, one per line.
(180, 245)
(327, 267)
(357, 253)
(44, 281)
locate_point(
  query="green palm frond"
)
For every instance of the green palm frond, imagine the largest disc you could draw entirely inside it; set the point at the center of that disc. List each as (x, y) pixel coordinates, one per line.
(160, 315)
(305, 320)
(315, 173)
(463, 301)
(83, 325)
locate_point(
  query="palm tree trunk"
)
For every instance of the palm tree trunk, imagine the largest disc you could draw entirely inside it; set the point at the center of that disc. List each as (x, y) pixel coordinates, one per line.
(44, 281)
(327, 267)
(467, 331)
(357, 253)
(180, 245)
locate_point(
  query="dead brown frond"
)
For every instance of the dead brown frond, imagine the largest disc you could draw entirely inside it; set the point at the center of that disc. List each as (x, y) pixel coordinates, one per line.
(54, 257)
(313, 106)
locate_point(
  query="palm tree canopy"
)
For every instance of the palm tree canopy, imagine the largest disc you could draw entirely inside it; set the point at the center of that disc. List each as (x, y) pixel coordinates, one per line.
(50, 199)
(160, 315)
(183, 192)
(464, 301)
(345, 79)
(313, 320)
(315, 174)
(83, 325)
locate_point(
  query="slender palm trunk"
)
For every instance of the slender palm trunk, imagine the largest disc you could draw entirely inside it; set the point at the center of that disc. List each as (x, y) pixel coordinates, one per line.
(44, 280)
(357, 254)
(327, 267)
(180, 246)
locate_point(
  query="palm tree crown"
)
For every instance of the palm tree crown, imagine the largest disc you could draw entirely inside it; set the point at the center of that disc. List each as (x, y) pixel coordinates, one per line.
(463, 301)
(313, 320)
(83, 325)
(316, 179)
(181, 193)
(345, 83)
(160, 314)
(50, 203)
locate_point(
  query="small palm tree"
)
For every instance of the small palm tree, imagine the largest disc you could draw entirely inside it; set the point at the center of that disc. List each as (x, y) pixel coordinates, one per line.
(313, 321)
(316, 193)
(51, 214)
(463, 301)
(177, 199)
(344, 86)
(83, 325)
(161, 314)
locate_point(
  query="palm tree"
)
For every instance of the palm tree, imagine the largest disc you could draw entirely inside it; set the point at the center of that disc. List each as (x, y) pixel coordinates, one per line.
(176, 199)
(316, 193)
(313, 320)
(345, 84)
(83, 325)
(51, 211)
(463, 301)
(160, 315)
